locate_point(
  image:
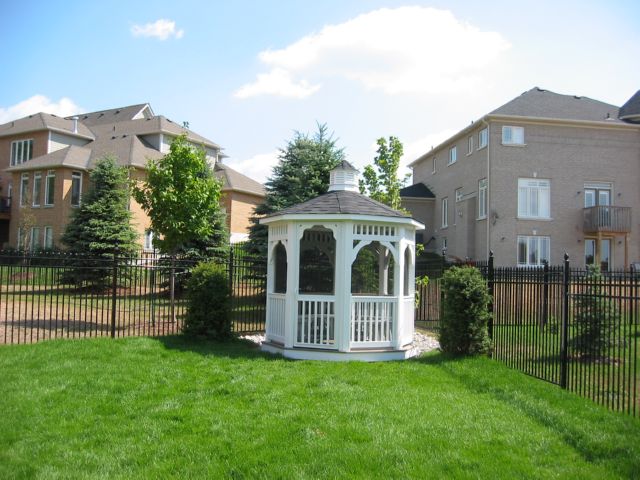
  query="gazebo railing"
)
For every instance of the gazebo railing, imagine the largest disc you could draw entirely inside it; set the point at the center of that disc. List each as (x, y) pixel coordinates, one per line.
(316, 323)
(276, 316)
(373, 319)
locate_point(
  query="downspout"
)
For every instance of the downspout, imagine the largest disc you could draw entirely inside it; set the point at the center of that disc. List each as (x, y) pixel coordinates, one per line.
(484, 122)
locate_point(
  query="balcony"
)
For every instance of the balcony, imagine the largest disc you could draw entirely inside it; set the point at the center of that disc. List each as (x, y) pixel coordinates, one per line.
(5, 208)
(607, 219)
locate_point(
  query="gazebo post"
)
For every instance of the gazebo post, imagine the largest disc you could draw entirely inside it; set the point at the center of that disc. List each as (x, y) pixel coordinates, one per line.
(343, 286)
(291, 310)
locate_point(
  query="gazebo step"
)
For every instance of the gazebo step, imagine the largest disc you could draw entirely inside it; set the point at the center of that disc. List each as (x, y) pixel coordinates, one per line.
(361, 354)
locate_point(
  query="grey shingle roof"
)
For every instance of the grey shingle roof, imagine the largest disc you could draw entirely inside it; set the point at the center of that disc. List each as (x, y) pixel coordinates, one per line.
(417, 190)
(129, 151)
(234, 180)
(344, 202)
(43, 121)
(545, 104)
(147, 126)
(631, 108)
(111, 116)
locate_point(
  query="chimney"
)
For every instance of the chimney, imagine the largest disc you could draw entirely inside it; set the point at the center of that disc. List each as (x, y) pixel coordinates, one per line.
(75, 124)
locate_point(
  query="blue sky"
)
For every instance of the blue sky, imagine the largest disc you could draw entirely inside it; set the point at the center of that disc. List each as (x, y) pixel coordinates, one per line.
(246, 74)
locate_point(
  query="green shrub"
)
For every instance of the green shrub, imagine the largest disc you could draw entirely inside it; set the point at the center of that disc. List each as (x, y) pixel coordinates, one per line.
(463, 327)
(208, 302)
(597, 318)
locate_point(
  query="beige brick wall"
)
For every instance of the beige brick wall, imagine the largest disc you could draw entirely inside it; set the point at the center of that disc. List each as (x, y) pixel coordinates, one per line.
(241, 210)
(465, 234)
(568, 156)
(40, 144)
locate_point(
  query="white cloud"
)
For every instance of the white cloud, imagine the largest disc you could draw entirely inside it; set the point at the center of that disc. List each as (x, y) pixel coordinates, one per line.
(277, 82)
(39, 103)
(396, 51)
(259, 167)
(161, 29)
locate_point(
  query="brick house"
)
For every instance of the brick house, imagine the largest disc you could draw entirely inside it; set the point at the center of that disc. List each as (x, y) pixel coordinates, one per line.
(541, 175)
(45, 162)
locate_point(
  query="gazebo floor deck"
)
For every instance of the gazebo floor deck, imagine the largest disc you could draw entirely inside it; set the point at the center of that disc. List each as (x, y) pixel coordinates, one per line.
(373, 354)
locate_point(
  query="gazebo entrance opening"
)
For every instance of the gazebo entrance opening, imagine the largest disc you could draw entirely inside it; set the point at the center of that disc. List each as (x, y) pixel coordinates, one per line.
(316, 289)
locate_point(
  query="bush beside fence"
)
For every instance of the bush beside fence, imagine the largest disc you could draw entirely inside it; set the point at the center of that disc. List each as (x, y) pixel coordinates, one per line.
(539, 327)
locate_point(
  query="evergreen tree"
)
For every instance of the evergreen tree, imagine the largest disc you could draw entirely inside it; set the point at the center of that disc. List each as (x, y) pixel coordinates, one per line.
(301, 174)
(101, 226)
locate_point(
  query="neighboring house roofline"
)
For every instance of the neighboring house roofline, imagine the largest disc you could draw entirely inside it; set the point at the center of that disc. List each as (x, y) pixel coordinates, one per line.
(48, 129)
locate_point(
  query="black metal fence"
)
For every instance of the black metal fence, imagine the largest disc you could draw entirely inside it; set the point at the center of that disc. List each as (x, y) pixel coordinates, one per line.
(563, 325)
(58, 295)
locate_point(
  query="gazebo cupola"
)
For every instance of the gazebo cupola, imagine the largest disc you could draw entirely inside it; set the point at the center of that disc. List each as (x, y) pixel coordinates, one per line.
(340, 277)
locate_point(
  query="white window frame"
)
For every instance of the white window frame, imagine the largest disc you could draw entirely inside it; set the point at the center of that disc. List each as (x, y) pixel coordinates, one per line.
(444, 211)
(37, 184)
(75, 175)
(453, 155)
(9, 194)
(433, 165)
(537, 241)
(483, 138)
(148, 240)
(512, 135)
(482, 198)
(24, 189)
(34, 239)
(50, 174)
(20, 243)
(470, 145)
(534, 195)
(21, 151)
(47, 241)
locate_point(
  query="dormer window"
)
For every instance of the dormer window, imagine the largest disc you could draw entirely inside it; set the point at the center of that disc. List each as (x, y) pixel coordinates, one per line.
(21, 151)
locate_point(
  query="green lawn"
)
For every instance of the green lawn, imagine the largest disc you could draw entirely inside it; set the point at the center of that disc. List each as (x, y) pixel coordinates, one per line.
(158, 408)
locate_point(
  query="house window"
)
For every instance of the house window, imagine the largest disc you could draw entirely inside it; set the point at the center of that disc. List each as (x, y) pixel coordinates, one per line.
(76, 188)
(603, 251)
(512, 135)
(533, 250)
(453, 155)
(37, 182)
(49, 188)
(35, 239)
(20, 243)
(148, 240)
(445, 212)
(24, 189)
(21, 151)
(444, 244)
(482, 198)
(483, 138)
(458, 194)
(48, 238)
(470, 145)
(433, 165)
(9, 194)
(534, 198)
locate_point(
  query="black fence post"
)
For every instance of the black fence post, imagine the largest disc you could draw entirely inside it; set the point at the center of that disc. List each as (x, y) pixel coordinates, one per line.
(565, 323)
(545, 294)
(490, 286)
(172, 288)
(231, 270)
(114, 294)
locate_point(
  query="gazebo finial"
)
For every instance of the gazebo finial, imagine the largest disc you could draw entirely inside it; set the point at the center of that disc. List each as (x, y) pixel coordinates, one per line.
(343, 177)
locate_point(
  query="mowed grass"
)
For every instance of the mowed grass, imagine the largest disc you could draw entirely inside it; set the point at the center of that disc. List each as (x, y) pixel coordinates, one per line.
(169, 407)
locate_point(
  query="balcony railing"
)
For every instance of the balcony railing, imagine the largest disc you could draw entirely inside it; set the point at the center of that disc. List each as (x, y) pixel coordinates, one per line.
(606, 218)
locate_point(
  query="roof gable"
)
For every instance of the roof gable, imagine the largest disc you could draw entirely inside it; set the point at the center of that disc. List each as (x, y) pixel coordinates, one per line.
(541, 103)
(234, 180)
(631, 109)
(44, 121)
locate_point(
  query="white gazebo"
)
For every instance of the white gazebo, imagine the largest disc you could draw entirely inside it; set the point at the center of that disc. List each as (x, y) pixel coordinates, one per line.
(340, 277)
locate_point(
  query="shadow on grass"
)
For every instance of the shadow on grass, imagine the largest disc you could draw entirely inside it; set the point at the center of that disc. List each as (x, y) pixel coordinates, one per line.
(232, 348)
(616, 447)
